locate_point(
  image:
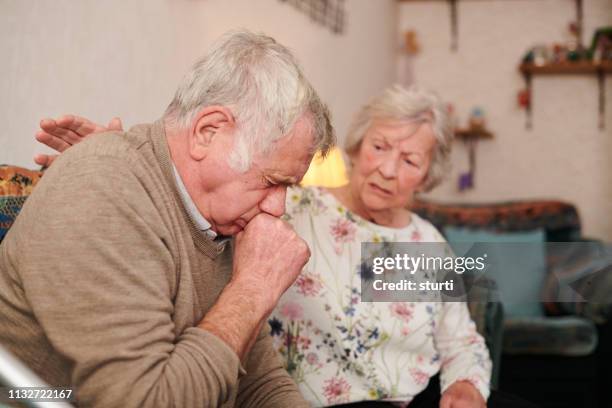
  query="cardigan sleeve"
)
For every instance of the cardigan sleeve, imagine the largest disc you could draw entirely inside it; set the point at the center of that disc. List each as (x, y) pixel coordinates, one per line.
(267, 383)
(97, 269)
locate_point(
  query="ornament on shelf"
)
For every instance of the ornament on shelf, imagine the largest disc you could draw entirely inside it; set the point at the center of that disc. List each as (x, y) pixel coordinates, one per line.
(524, 98)
(466, 181)
(477, 119)
(411, 44)
(408, 48)
(476, 131)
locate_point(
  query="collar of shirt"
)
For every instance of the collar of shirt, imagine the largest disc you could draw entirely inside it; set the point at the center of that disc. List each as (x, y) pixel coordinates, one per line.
(201, 223)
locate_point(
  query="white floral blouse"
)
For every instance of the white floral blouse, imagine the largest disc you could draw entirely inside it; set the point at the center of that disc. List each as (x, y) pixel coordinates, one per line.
(339, 349)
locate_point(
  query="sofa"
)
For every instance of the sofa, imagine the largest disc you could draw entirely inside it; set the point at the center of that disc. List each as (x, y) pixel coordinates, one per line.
(558, 359)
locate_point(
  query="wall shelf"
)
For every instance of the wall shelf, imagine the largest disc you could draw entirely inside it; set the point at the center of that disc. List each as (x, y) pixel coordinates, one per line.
(568, 68)
(473, 133)
(579, 67)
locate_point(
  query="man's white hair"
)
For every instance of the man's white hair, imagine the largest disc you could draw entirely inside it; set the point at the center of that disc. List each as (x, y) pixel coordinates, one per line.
(410, 104)
(262, 84)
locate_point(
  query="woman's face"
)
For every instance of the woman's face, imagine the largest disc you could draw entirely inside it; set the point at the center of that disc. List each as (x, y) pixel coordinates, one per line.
(391, 163)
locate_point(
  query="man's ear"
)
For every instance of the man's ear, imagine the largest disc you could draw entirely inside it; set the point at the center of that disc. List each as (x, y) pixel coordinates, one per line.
(209, 123)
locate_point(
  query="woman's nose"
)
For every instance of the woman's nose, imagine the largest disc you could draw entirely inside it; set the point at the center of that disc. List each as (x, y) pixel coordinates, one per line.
(388, 165)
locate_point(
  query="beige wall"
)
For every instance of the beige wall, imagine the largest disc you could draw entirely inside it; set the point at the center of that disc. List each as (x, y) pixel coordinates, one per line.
(565, 156)
(125, 57)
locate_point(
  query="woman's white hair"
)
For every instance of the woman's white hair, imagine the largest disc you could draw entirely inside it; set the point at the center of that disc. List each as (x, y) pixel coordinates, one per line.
(410, 104)
(261, 82)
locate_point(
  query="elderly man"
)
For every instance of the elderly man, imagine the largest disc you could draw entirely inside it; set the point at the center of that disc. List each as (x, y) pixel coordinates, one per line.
(116, 278)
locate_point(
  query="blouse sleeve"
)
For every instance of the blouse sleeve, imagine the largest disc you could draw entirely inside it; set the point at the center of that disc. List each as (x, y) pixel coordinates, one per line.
(464, 355)
(463, 351)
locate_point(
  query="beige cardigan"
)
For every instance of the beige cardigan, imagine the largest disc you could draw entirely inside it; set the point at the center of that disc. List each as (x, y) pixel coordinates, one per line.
(104, 277)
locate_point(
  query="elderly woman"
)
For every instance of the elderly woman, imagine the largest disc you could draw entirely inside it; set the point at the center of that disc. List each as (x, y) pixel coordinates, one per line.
(339, 349)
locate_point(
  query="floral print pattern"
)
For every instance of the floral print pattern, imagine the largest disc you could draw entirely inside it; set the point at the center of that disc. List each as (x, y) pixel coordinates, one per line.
(336, 390)
(402, 311)
(339, 349)
(342, 230)
(309, 284)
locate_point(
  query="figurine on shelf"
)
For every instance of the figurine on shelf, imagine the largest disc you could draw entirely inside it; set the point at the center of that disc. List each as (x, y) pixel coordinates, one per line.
(575, 51)
(477, 119)
(538, 55)
(560, 53)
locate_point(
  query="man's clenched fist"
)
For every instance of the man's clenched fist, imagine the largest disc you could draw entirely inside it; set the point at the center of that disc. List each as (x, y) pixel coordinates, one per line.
(268, 257)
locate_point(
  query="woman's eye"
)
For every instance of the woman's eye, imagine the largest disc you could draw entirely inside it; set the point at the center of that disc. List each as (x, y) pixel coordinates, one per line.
(377, 147)
(410, 163)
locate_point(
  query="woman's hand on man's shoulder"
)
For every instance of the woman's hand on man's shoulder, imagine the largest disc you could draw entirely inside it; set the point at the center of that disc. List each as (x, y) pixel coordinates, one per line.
(61, 133)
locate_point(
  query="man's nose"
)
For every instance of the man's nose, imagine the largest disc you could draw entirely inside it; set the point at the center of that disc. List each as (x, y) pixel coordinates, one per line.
(274, 202)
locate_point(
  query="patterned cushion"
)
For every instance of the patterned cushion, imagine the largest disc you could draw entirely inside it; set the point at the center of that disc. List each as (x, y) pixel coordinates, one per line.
(9, 208)
(16, 183)
(559, 220)
(570, 336)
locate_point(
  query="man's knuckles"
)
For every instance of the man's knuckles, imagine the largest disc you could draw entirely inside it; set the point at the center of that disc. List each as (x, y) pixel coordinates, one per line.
(302, 248)
(266, 223)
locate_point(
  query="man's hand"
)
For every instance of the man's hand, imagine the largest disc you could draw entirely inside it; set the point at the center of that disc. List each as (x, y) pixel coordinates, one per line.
(66, 131)
(462, 394)
(268, 257)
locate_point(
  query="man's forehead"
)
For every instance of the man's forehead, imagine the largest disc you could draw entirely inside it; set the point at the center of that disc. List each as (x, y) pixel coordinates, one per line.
(288, 159)
(285, 170)
(283, 178)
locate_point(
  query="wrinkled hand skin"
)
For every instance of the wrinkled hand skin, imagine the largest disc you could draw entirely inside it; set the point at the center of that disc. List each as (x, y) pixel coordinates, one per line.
(61, 133)
(462, 394)
(268, 257)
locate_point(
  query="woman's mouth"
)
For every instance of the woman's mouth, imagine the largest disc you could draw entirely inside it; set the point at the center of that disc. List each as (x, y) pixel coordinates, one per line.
(379, 189)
